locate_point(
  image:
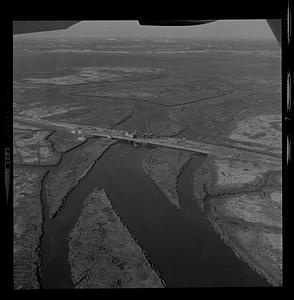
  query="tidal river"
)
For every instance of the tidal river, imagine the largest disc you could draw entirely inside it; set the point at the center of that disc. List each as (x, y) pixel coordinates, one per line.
(181, 244)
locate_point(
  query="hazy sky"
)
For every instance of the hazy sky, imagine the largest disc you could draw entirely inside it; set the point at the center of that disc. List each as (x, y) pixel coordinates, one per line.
(223, 29)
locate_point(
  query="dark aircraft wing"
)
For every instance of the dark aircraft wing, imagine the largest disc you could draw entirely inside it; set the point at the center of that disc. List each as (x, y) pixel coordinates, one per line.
(36, 26)
(275, 25)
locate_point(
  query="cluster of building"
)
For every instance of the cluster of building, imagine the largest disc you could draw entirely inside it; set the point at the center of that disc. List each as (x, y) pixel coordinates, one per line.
(132, 134)
(78, 131)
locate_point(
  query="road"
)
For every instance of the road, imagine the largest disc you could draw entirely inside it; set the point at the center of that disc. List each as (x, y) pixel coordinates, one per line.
(207, 149)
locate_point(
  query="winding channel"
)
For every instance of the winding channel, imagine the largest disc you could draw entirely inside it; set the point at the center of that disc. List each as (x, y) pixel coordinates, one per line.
(181, 244)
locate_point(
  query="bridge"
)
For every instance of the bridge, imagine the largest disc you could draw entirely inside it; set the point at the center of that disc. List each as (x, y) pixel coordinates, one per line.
(200, 148)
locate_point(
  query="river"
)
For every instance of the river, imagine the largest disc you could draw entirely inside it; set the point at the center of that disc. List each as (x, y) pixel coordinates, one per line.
(181, 244)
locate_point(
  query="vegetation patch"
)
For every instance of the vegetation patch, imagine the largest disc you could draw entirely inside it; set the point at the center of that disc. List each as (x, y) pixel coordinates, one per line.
(102, 252)
(33, 148)
(255, 208)
(27, 219)
(165, 128)
(249, 222)
(64, 178)
(84, 75)
(261, 129)
(64, 140)
(261, 248)
(164, 167)
(103, 115)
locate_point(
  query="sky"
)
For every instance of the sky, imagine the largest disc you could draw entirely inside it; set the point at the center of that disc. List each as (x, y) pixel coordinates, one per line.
(222, 29)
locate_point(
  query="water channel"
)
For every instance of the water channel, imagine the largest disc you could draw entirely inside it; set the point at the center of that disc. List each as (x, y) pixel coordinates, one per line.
(181, 244)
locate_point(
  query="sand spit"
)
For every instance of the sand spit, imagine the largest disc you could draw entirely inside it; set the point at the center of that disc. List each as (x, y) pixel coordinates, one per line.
(103, 254)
